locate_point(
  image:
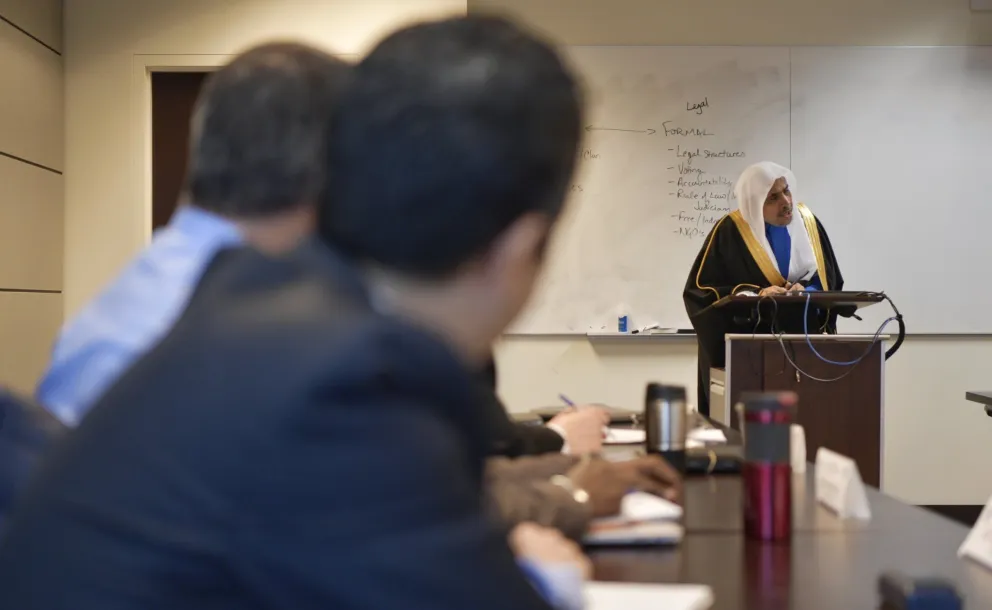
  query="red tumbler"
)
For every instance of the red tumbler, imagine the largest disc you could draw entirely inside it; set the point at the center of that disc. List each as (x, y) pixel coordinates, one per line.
(767, 419)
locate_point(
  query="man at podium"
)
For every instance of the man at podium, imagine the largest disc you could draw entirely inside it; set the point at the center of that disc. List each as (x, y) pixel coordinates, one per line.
(768, 246)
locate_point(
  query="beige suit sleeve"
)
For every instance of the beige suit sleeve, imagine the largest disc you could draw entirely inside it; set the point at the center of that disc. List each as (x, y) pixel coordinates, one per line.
(539, 467)
(521, 492)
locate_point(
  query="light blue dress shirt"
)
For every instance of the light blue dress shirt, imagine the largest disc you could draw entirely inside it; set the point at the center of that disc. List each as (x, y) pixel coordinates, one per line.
(133, 313)
(561, 585)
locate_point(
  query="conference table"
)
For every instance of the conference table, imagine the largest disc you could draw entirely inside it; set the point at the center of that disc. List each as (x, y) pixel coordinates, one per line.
(830, 563)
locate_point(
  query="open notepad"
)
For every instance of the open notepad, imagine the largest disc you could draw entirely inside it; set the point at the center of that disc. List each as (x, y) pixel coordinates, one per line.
(644, 519)
(697, 437)
(622, 596)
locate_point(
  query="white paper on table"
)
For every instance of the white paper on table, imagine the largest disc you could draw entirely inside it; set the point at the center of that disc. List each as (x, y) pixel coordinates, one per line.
(642, 506)
(707, 435)
(695, 438)
(644, 519)
(978, 544)
(623, 453)
(646, 533)
(623, 596)
(624, 436)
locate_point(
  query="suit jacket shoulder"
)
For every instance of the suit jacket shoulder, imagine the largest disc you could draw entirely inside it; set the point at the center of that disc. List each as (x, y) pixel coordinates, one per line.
(282, 432)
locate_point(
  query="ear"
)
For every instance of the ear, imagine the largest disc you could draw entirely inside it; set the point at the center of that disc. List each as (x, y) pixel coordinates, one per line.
(521, 244)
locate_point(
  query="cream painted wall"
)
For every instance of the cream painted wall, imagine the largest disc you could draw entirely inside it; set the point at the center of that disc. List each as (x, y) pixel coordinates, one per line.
(937, 447)
(31, 185)
(107, 43)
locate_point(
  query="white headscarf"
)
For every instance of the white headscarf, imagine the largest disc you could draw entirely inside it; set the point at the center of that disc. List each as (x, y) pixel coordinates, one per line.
(751, 191)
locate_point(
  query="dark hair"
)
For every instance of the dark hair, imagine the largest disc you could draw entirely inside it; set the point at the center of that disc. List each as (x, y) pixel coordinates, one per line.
(448, 133)
(258, 129)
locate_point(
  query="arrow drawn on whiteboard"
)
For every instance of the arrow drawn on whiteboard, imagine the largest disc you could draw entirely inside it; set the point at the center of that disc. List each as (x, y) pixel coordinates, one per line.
(647, 131)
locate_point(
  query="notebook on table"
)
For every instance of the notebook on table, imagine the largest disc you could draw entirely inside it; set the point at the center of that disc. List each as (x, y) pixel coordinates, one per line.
(644, 520)
(622, 596)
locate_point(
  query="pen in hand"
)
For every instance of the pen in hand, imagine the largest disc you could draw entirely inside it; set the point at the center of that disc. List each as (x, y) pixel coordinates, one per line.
(800, 282)
(607, 433)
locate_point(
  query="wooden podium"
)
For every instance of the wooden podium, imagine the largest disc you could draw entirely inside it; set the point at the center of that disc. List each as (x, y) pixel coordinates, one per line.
(840, 406)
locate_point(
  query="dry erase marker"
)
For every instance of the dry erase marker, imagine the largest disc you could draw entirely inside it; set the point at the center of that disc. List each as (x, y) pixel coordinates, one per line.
(565, 400)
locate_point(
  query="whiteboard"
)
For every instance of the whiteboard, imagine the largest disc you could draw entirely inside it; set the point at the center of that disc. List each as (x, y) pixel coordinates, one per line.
(668, 131)
(892, 149)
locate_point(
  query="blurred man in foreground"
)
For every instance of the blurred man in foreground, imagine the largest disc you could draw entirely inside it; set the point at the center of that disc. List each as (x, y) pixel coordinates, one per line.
(308, 434)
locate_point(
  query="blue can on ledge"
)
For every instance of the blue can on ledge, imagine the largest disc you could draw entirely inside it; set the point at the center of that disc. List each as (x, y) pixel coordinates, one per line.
(622, 323)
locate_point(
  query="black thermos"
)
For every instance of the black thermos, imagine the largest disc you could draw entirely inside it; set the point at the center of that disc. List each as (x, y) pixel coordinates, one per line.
(665, 423)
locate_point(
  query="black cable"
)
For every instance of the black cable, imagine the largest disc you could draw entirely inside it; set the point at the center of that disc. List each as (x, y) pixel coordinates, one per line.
(902, 328)
(774, 332)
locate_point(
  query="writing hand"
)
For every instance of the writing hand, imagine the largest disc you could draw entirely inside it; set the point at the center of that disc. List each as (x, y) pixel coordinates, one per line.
(582, 428)
(771, 291)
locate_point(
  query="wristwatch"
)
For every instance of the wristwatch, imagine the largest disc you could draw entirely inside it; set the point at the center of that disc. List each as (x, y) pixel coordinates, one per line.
(578, 494)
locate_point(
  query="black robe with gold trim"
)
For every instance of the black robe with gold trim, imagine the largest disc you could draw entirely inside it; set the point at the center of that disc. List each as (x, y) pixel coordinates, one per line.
(732, 260)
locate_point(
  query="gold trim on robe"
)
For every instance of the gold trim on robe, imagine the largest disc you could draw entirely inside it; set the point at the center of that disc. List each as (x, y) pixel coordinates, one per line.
(758, 252)
(814, 239)
(706, 253)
